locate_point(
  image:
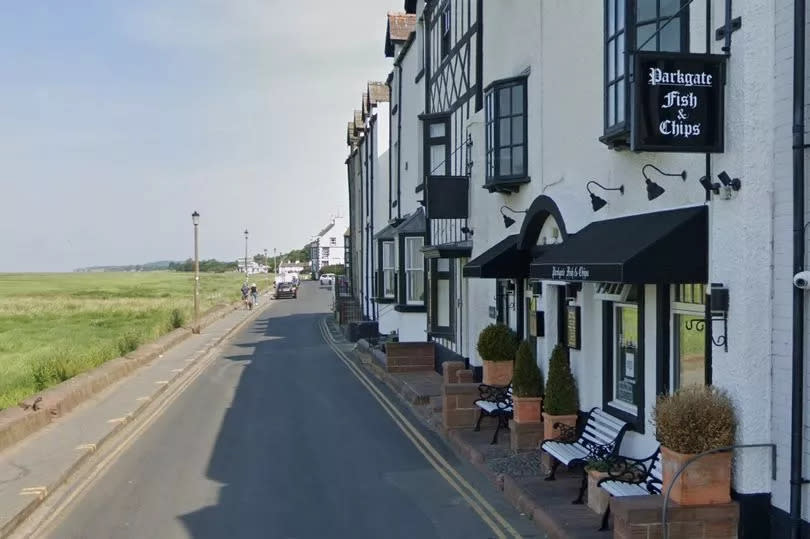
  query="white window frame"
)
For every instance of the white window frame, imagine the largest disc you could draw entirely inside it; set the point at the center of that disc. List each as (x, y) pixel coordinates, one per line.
(389, 268)
(416, 267)
(682, 309)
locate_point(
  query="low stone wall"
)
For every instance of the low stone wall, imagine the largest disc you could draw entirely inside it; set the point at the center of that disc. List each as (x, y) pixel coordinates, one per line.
(639, 517)
(410, 356)
(459, 394)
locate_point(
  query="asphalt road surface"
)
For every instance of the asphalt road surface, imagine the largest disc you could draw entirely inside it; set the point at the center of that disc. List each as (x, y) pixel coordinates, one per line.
(278, 439)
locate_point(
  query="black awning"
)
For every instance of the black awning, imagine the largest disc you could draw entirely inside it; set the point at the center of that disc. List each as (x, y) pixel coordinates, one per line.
(661, 247)
(458, 249)
(502, 260)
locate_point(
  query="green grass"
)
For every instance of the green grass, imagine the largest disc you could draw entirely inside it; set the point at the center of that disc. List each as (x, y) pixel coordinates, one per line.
(54, 326)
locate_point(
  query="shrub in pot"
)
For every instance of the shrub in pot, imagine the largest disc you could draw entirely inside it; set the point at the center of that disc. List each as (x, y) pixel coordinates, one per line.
(497, 345)
(692, 420)
(527, 386)
(560, 403)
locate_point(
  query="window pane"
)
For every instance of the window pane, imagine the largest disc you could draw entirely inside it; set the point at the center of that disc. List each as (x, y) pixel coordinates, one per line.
(518, 167)
(436, 158)
(671, 36)
(416, 286)
(611, 55)
(517, 99)
(626, 370)
(443, 264)
(690, 351)
(505, 162)
(620, 99)
(611, 17)
(504, 106)
(646, 10)
(643, 33)
(437, 130)
(619, 15)
(611, 105)
(388, 283)
(517, 130)
(670, 7)
(620, 54)
(443, 303)
(505, 125)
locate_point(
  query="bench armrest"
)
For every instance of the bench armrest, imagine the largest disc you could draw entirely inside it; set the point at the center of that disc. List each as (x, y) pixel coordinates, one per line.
(629, 470)
(497, 394)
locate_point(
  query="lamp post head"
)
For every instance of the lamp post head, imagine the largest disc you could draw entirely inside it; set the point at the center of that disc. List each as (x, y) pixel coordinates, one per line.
(246, 233)
(508, 221)
(195, 218)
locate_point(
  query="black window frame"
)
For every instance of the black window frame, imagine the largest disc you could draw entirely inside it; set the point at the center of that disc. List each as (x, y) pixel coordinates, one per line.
(617, 134)
(445, 29)
(608, 373)
(428, 141)
(402, 284)
(493, 145)
(445, 332)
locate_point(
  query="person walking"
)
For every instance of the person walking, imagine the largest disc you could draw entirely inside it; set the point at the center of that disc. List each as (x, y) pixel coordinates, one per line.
(254, 293)
(245, 291)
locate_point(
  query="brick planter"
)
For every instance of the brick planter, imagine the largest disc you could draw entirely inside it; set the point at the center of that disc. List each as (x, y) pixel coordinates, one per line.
(598, 498)
(527, 409)
(498, 373)
(552, 433)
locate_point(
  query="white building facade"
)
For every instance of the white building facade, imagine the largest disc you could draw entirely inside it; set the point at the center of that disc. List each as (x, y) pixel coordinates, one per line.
(651, 232)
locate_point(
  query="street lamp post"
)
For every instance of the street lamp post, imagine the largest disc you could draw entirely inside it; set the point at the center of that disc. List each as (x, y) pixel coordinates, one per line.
(246, 262)
(267, 269)
(195, 218)
(275, 265)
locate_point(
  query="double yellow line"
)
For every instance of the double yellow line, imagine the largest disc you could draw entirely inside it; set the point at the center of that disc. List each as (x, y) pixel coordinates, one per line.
(497, 523)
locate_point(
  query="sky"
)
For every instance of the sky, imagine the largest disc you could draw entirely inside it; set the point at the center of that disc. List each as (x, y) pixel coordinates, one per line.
(118, 119)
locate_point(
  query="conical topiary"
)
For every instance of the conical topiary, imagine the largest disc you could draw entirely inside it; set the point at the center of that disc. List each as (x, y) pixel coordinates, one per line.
(497, 343)
(527, 380)
(561, 388)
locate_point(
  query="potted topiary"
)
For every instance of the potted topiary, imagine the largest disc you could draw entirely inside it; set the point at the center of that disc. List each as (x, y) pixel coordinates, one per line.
(560, 403)
(527, 386)
(693, 420)
(497, 345)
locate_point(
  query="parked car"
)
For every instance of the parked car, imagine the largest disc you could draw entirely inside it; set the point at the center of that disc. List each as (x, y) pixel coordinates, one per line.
(327, 279)
(286, 290)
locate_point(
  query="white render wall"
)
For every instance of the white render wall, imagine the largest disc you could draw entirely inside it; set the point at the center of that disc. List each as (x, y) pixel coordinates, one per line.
(562, 44)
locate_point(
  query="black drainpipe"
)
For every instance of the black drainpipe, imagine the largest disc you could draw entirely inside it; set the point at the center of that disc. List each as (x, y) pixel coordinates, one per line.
(797, 393)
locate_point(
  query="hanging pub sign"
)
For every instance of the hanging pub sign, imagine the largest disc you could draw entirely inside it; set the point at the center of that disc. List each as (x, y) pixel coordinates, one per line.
(678, 102)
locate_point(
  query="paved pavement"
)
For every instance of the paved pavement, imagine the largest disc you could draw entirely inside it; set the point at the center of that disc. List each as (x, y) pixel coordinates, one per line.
(277, 438)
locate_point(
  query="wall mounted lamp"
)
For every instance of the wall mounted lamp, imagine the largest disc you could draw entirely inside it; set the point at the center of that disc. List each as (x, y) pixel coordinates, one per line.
(467, 230)
(508, 221)
(598, 202)
(653, 189)
(727, 184)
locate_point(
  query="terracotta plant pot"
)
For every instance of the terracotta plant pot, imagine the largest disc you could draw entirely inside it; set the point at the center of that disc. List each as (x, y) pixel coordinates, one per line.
(527, 409)
(706, 481)
(598, 498)
(498, 373)
(552, 433)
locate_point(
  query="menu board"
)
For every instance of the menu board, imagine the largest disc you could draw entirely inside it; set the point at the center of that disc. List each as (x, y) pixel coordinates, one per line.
(573, 329)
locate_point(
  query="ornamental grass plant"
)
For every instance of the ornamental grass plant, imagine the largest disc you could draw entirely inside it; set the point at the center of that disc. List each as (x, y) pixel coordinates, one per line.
(695, 419)
(527, 380)
(497, 343)
(561, 388)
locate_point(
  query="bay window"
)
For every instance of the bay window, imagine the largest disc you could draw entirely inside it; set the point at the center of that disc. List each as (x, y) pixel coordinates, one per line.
(506, 130)
(388, 270)
(414, 267)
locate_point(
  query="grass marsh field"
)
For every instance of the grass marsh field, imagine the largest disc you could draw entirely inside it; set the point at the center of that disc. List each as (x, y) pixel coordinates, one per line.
(54, 326)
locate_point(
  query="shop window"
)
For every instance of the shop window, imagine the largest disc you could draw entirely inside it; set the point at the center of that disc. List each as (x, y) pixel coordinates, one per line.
(631, 24)
(688, 335)
(443, 300)
(388, 270)
(506, 129)
(414, 270)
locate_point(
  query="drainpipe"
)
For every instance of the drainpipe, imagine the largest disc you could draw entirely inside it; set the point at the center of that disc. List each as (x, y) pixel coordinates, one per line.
(399, 142)
(797, 393)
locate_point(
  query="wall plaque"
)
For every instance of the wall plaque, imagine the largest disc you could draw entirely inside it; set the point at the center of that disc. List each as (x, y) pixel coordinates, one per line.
(572, 322)
(678, 102)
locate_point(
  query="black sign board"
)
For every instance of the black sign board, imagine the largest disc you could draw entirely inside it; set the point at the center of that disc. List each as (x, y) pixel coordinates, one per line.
(448, 197)
(572, 321)
(678, 102)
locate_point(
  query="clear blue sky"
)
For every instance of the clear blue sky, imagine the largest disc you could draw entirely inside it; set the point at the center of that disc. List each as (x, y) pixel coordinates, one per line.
(120, 118)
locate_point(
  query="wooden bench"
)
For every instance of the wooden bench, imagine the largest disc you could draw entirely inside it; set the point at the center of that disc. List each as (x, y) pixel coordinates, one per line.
(495, 401)
(634, 471)
(600, 440)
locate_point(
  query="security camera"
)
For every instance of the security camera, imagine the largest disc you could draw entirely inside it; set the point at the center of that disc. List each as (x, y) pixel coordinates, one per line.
(802, 280)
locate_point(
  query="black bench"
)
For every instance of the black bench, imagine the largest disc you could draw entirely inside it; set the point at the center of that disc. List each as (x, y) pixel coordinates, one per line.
(599, 440)
(635, 471)
(495, 401)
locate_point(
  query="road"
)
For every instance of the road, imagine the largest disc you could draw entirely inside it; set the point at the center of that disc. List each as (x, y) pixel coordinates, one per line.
(278, 439)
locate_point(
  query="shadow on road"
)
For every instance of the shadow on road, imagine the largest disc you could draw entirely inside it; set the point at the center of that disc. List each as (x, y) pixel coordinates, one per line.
(305, 452)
